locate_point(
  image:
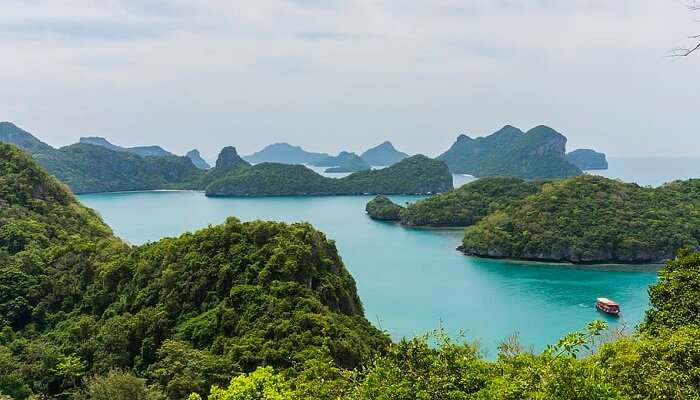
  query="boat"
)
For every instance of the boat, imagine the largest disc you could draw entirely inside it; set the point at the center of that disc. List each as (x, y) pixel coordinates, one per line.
(607, 306)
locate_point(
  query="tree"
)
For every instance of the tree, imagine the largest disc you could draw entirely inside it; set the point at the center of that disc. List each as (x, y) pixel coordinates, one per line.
(686, 51)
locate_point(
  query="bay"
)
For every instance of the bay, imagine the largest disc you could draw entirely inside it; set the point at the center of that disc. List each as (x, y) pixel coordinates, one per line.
(410, 280)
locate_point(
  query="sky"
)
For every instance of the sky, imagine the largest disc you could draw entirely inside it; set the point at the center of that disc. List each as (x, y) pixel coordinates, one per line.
(335, 75)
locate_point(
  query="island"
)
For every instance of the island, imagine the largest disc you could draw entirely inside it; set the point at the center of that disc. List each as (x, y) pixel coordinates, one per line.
(591, 219)
(285, 153)
(587, 159)
(383, 154)
(415, 175)
(343, 162)
(383, 209)
(463, 206)
(535, 154)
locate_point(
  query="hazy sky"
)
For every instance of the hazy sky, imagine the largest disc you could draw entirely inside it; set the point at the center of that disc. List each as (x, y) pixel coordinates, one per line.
(334, 74)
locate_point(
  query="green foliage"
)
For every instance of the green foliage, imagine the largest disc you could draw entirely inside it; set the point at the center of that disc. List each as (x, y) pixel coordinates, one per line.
(468, 204)
(417, 174)
(261, 384)
(537, 154)
(184, 312)
(592, 219)
(382, 208)
(118, 385)
(675, 298)
(343, 162)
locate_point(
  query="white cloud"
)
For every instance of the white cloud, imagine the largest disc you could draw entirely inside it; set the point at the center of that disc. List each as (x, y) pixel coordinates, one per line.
(349, 74)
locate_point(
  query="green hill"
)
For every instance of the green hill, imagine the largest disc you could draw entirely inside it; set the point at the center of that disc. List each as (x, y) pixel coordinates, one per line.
(418, 174)
(143, 151)
(468, 204)
(184, 312)
(382, 208)
(537, 154)
(87, 168)
(590, 219)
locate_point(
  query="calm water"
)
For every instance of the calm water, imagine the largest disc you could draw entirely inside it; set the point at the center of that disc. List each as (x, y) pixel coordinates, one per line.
(409, 279)
(651, 171)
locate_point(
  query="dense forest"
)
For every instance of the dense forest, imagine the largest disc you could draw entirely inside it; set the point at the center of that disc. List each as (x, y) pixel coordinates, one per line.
(463, 206)
(592, 219)
(417, 174)
(265, 310)
(536, 154)
(183, 312)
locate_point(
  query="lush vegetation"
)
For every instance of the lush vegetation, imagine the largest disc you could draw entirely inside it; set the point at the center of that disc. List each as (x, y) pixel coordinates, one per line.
(382, 208)
(417, 174)
(343, 162)
(77, 304)
(592, 219)
(284, 153)
(266, 310)
(587, 159)
(658, 362)
(469, 203)
(537, 154)
(383, 154)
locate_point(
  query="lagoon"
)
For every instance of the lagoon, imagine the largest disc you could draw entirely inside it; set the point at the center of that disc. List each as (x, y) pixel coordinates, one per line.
(410, 280)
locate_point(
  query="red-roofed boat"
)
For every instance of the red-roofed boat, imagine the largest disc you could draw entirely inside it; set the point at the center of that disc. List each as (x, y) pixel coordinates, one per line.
(607, 306)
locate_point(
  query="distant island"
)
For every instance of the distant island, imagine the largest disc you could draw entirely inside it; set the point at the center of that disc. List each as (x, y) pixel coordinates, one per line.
(87, 168)
(197, 159)
(587, 159)
(415, 175)
(284, 153)
(383, 155)
(343, 162)
(143, 151)
(536, 154)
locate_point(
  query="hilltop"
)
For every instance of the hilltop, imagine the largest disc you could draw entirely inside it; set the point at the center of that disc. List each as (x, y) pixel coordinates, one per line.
(383, 154)
(186, 312)
(197, 159)
(285, 154)
(143, 151)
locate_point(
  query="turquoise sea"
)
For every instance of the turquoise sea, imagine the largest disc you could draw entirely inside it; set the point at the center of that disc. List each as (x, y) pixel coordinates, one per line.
(410, 280)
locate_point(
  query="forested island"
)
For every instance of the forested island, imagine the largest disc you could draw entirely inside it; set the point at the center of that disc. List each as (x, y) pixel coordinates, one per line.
(264, 310)
(583, 219)
(285, 153)
(536, 154)
(414, 175)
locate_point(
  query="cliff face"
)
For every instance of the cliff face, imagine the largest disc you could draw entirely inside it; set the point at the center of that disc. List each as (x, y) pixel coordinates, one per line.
(537, 154)
(229, 159)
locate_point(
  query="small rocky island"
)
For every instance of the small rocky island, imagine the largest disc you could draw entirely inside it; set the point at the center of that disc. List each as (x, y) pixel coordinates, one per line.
(343, 162)
(383, 209)
(587, 159)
